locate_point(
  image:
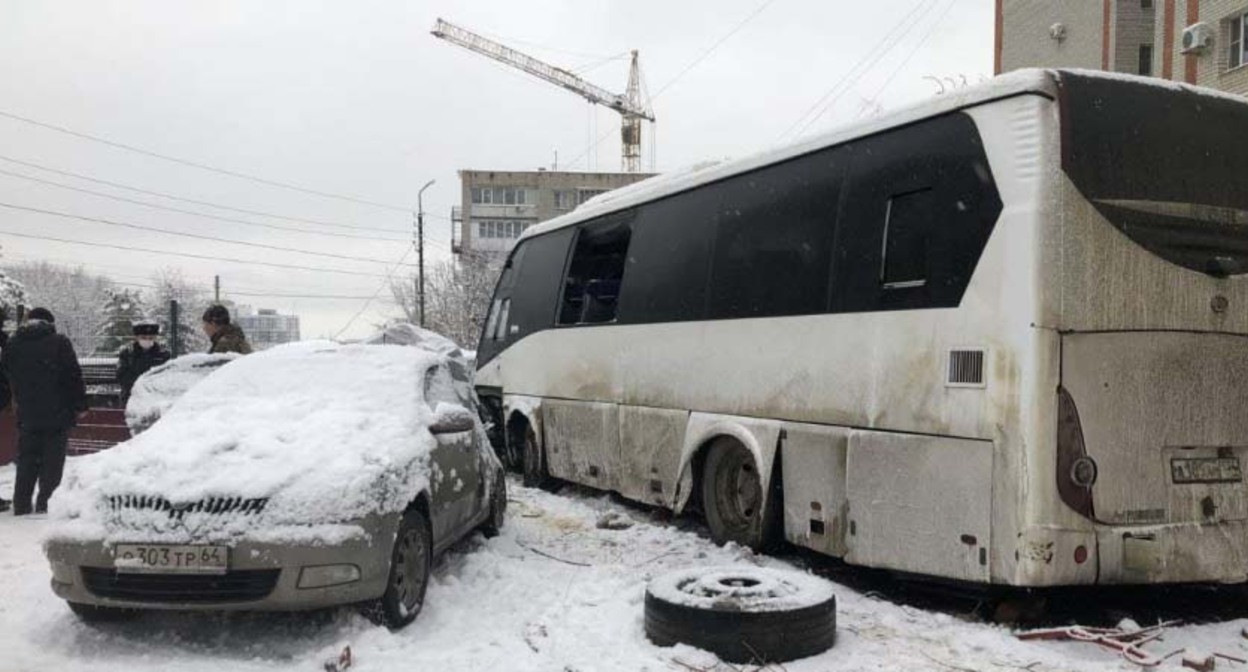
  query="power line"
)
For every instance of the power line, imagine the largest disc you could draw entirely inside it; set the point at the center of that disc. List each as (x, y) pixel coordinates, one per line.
(389, 279)
(202, 166)
(262, 295)
(167, 208)
(873, 57)
(188, 255)
(119, 185)
(196, 236)
(922, 41)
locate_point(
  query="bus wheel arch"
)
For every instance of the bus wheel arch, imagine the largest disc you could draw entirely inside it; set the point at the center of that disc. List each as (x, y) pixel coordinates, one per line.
(734, 449)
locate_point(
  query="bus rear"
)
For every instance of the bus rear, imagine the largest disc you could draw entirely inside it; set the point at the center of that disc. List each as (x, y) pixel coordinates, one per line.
(1145, 279)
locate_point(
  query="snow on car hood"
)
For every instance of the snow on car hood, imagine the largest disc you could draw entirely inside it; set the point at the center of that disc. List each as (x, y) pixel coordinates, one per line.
(306, 433)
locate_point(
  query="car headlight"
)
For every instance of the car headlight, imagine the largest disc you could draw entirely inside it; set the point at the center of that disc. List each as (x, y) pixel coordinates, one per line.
(323, 576)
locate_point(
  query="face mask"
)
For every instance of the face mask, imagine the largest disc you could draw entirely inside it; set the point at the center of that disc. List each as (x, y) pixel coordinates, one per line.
(146, 343)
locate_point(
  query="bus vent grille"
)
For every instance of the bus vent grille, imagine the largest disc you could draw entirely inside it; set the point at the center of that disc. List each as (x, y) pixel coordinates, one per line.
(966, 368)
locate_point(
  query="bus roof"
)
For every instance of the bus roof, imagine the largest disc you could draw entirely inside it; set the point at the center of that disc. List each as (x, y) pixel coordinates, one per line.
(1004, 86)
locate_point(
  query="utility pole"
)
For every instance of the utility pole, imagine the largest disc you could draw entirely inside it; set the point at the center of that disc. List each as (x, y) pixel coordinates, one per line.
(420, 248)
(216, 289)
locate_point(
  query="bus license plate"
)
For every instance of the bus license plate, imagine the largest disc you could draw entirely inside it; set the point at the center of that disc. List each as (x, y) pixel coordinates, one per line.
(1205, 470)
(165, 559)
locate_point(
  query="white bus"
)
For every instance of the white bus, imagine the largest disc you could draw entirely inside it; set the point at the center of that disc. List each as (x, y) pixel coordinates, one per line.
(1001, 337)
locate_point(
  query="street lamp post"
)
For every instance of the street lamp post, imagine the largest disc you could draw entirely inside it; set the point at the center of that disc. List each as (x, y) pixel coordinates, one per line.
(420, 248)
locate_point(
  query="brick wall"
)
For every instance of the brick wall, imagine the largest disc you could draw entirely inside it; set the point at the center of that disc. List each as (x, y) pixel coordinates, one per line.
(1132, 27)
(1211, 67)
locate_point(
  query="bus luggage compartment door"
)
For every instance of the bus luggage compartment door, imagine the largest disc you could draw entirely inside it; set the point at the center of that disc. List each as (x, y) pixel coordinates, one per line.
(920, 504)
(1164, 416)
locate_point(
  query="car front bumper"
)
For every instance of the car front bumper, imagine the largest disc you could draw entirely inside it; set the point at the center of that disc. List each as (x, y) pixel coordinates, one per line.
(262, 576)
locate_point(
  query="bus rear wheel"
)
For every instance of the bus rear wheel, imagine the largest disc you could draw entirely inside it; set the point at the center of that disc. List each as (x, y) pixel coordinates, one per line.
(536, 473)
(733, 498)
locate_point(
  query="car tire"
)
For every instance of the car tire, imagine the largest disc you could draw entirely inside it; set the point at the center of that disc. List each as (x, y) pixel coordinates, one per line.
(90, 613)
(536, 473)
(410, 564)
(733, 499)
(742, 614)
(493, 525)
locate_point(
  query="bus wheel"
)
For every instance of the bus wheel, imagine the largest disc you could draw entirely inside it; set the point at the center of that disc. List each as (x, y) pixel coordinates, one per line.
(733, 497)
(536, 474)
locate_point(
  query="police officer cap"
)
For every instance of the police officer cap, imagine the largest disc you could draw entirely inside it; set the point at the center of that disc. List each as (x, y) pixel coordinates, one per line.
(146, 329)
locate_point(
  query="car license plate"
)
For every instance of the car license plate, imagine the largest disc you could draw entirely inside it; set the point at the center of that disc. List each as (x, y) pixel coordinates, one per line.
(1205, 470)
(165, 559)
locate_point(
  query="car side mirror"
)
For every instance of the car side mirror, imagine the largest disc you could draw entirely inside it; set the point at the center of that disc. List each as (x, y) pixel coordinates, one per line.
(451, 419)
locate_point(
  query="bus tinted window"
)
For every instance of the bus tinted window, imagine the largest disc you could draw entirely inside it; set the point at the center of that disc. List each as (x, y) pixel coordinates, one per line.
(919, 206)
(773, 243)
(668, 261)
(591, 289)
(905, 239)
(536, 292)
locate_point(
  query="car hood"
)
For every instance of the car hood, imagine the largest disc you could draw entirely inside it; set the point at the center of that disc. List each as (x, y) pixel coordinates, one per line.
(304, 433)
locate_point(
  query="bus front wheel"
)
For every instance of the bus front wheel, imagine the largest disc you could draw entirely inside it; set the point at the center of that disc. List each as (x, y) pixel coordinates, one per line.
(733, 498)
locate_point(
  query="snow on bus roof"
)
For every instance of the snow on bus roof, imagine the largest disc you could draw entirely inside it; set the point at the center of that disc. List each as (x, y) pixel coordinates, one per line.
(1031, 80)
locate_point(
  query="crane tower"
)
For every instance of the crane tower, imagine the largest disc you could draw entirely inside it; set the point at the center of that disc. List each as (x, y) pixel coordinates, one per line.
(629, 104)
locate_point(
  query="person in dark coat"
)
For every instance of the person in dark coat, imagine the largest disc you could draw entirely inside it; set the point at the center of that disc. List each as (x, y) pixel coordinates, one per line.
(225, 336)
(139, 357)
(41, 374)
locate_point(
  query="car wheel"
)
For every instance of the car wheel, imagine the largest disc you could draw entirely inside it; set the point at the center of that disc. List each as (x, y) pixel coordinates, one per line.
(536, 474)
(742, 614)
(498, 507)
(733, 497)
(90, 613)
(410, 563)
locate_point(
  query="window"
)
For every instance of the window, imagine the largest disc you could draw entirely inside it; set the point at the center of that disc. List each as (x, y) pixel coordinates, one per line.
(1146, 4)
(591, 289)
(482, 195)
(583, 195)
(1238, 54)
(565, 200)
(906, 218)
(503, 317)
(1146, 60)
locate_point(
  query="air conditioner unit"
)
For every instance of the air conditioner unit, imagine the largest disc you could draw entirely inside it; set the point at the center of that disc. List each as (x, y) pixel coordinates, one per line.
(1197, 38)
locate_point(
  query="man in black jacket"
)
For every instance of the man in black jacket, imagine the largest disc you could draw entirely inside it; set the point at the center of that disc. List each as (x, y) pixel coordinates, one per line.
(41, 373)
(139, 357)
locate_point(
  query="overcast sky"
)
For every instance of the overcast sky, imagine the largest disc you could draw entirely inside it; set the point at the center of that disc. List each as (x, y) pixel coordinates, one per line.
(357, 99)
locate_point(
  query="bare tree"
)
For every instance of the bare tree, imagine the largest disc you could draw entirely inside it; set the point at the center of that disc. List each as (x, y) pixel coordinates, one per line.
(73, 295)
(457, 296)
(192, 299)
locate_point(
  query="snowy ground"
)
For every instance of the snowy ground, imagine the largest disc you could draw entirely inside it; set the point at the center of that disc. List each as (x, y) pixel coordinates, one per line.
(502, 605)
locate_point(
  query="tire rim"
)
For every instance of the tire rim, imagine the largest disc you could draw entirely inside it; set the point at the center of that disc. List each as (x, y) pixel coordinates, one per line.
(738, 491)
(410, 564)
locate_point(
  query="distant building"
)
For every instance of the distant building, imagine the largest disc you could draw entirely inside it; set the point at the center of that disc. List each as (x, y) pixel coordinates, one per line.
(498, 205)
(1195, 41)
(266, 328)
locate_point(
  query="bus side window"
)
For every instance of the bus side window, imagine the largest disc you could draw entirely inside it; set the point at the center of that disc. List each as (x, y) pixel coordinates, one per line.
(591, 289)
(907, 218)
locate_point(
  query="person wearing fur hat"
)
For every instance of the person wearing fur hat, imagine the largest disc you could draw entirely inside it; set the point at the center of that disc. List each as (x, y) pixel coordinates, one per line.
(139, 357)
(225, 336)
(41, 374)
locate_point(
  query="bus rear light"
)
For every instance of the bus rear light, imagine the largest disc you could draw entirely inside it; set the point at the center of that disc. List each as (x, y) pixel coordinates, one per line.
(1081, 555)
(1076, 472)
(1083, 472)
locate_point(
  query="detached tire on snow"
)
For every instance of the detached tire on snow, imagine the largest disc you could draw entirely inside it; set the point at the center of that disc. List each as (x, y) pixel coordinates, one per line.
(742, 614)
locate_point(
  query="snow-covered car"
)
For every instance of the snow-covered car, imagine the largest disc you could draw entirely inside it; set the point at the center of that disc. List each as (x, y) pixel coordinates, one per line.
(156, 390)
(306, 476)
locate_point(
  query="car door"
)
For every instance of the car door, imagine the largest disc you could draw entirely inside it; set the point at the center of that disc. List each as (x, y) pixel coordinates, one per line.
(455, 482)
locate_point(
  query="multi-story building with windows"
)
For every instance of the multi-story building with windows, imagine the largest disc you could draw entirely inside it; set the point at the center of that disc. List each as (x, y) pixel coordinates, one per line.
(1195, 41)
(266, 327)
(497, 206)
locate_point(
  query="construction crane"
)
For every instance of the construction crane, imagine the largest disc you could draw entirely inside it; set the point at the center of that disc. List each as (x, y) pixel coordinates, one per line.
(629, 105)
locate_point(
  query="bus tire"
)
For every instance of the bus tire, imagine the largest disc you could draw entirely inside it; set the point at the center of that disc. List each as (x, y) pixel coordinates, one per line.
(536, 473)
(743, 614)
(733, 499)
